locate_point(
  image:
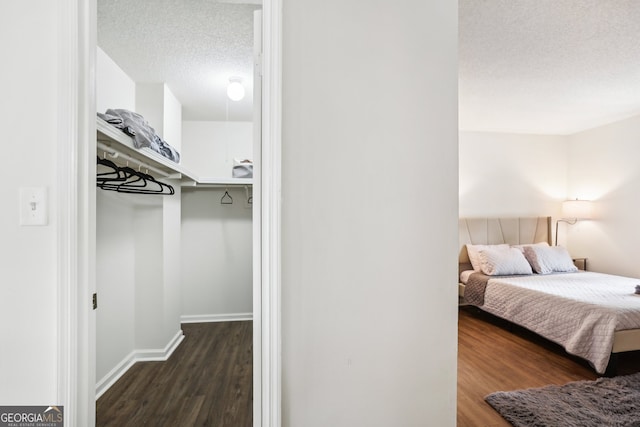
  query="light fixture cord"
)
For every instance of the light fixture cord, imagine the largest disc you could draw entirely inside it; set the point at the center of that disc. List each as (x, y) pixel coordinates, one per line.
(568, 221)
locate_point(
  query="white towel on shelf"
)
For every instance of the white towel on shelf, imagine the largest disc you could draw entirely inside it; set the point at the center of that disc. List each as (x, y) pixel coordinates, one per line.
(242, 168)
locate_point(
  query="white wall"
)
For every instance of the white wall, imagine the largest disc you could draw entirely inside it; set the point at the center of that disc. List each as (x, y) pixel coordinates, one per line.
(149, 303)
(210, 147)
(150, 104)
(505, 174)
(162, 110)
(216, 255)
(29, 114)
(138, 279)
(172, 120)
(138, 242)
(114, 88)
(603, 167)
(115, 239)
(115, 271)
(370, 207)
(171, 261)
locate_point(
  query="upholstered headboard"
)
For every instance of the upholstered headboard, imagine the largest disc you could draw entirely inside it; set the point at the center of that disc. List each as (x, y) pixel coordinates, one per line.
(493, 231)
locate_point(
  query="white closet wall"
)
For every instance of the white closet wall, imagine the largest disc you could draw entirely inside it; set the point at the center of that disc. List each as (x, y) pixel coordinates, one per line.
(210, 147)
(216, 238)
(115, 272)
(114, 89)
(115, 244)
(216, 256)
(159, 106)
(172, 217)
(138, 244)
(149, 298)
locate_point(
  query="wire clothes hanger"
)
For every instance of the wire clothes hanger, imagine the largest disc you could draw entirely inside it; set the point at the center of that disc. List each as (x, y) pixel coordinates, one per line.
(128, 180)
(226, 198)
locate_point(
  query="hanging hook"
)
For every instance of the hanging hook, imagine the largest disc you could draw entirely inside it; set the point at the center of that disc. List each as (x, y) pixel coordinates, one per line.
(113, 154)
(249, 196)
(226, 198)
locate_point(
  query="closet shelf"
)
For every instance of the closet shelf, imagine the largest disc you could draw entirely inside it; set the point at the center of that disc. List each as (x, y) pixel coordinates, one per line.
(122, 143)
(218, 182)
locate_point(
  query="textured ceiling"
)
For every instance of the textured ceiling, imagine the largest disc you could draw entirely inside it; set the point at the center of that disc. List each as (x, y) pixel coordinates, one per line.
(548, 66)
(193, 46)
(529, 66)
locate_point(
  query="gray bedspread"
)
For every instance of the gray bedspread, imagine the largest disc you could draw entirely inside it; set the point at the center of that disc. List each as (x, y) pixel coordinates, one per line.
(580, 311)
(474, 289)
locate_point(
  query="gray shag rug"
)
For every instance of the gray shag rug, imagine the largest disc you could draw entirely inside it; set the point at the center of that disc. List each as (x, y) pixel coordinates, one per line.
(611, 402)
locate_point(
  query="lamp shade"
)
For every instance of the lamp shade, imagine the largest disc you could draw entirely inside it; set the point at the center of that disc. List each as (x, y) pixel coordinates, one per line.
(578, 209)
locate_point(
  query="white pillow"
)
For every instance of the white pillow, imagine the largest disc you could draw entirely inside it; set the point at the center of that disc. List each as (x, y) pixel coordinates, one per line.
(500, 262)
(474, 253)
(521, 247)
(549, 259)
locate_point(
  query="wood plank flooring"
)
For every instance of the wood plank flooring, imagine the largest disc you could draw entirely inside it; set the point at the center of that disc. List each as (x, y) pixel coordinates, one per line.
(494, 355)
(207, 381)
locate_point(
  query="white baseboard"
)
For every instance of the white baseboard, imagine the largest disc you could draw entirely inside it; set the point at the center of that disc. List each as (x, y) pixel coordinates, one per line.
(148, 355)
(114, 375)
(205, 318)
(159, 355)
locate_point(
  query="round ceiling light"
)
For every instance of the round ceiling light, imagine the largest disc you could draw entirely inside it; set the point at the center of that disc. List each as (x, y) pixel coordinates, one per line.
(235, 90)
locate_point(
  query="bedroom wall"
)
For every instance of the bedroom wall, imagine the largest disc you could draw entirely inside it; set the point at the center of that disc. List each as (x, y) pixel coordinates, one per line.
(603, 167)
(504, 174)
(28, 113)
(210, 147)
(369, 203)
(216, 256)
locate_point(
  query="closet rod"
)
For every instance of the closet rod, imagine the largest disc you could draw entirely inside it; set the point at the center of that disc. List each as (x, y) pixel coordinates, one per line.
(117, 154)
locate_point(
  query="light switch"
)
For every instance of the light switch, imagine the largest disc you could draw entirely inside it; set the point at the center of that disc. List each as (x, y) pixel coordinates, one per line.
(33, 206)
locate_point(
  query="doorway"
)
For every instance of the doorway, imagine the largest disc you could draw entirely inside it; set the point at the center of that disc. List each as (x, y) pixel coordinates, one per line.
(186, 257)
(77, 260)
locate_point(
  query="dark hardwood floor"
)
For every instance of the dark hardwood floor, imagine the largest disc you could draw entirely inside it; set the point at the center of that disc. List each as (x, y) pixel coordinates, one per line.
(207, 381)
(494, 355)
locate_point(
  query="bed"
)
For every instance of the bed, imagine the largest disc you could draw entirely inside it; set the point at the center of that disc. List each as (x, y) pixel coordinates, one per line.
(591, 315)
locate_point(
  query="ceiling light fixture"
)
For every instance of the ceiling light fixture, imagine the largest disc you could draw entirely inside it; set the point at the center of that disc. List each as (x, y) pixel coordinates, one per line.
(235, 90)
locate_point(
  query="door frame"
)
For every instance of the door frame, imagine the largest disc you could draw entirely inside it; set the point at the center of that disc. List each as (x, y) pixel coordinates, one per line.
(76, 219)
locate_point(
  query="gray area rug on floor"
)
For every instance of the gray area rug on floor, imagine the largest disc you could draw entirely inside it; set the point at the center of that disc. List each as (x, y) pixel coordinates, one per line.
(604, 402)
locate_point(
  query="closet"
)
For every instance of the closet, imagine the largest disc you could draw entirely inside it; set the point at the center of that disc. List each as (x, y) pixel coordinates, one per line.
(164, 259)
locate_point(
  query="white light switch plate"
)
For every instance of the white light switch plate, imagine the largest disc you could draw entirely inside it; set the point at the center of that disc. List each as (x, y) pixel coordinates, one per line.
(33, 206)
